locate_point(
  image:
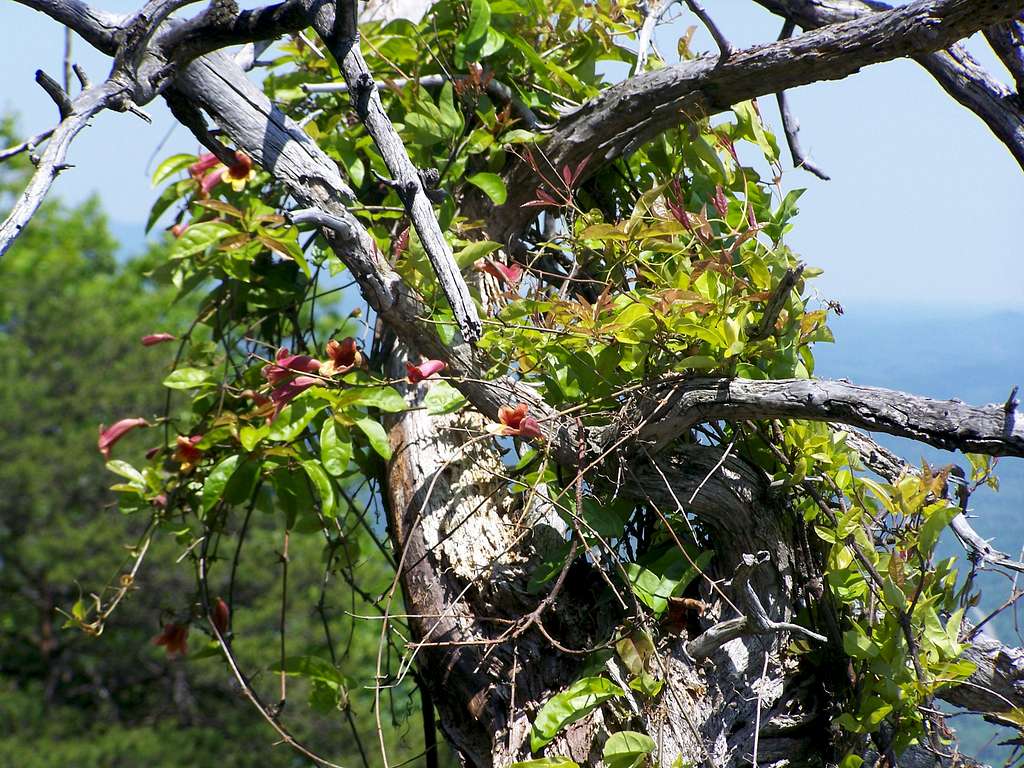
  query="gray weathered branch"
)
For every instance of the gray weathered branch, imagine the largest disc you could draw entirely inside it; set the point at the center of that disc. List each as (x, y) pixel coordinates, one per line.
(755, 620)
(111, 93)
(1007, 40)
(963, 78)
(673, 408)
(25, 146)
(336, 23)
(644, 106)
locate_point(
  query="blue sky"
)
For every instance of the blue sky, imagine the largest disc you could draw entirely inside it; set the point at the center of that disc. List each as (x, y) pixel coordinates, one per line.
(924, 208)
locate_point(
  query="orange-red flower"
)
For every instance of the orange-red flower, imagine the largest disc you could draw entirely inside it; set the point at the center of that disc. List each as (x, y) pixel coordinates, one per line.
(282, 377)
(516, 422)
(286, 365)
(110, 435)
(203, 163)
(426, 369)
(151, 339)
(288, 391)
(187, 454)
(342, 357)
(508, 274)
(221, 616)
(210, 181)
(240, 171)
(174, 638)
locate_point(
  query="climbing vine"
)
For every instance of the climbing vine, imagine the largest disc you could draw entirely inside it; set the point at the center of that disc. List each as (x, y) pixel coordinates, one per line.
(669, 261)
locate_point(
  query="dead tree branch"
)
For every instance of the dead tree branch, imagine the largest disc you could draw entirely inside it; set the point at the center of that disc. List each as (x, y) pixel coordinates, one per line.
(959, 74)
(336, 23)
(674, 408)
(755, 620)
(642, 107)
(791, 126)
(53, 160)
(1007, 40)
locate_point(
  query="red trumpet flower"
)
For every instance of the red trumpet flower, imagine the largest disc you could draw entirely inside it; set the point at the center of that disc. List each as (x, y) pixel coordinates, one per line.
(110, 435)
(417, 373)
(174, 638)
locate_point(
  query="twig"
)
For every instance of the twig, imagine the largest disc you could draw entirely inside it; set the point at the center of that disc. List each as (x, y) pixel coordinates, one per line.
(778, 300)
(83, 79)
(27, 144)
(284, 608)
(791, 126)
(651, 20)
(86, 105)
(725, 49)
(754, 622)
(240, 676)
(67, 60)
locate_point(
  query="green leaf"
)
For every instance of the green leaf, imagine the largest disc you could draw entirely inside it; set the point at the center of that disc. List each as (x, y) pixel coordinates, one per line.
(126, 470)
(702, 362)
(478, 249)
(443, 398)
(170, 166)
(164, 201)
(934, 525)
(213, 488)
(492, 186)
(293, 419)
(288, 249)
(292, 488)
(635, 650)
(664, 578)
(627, 749)
(451, 118)
(546, 762)
(239, 487)
(323, 485)
(199, 237)
(576, 702)
(858, 645)
(385, 398)
(311, 668)
(479, 23)
(187, 378)
(377, 436)
(250, 436)
(335, 448)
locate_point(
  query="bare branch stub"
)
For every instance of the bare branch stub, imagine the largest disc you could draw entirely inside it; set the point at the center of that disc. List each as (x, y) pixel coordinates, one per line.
(54, 91)
(755, 619)
(778, 300)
